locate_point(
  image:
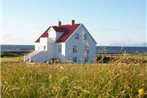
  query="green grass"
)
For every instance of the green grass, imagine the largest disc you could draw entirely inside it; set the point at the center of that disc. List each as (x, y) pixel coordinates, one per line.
(11, 59)
(24, 80)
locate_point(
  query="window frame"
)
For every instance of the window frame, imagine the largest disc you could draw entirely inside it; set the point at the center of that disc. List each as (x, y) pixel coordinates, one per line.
(75, 49)
(77, 36)
(74, 59)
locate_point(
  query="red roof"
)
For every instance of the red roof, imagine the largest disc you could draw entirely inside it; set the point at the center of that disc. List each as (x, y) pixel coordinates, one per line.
(67, 29)
(45, 34)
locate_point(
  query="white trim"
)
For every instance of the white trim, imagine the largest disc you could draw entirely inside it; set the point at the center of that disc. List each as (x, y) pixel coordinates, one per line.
(50, 29)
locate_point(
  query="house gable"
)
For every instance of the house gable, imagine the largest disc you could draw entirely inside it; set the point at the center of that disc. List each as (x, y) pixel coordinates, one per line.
(52, 33)
(81, 25)
(80, 45)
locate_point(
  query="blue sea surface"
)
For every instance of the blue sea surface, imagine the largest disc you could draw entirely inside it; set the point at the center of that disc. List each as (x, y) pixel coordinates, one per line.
(9, 48)
(100, 49)
(118, 49)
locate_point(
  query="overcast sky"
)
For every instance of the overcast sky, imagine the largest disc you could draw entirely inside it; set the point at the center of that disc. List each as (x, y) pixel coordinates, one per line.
(108, 21)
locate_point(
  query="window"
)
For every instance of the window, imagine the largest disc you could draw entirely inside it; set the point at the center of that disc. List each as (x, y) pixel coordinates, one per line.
(75, 49)
(74, 59)
(77, 36)
(59, 48)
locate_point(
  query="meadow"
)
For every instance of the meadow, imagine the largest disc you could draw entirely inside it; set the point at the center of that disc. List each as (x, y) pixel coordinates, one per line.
(113, 79)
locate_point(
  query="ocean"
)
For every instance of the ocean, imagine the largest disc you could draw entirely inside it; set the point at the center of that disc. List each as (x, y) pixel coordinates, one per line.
(118, 49)
(100, 49)
(9, 48)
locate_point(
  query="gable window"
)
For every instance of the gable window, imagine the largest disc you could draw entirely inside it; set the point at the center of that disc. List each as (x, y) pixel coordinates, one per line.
(77, 36)
(74, 59)
(75, 49)
(59, 48)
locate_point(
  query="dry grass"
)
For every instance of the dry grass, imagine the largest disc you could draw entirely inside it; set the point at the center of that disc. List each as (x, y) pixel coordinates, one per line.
(23, 80)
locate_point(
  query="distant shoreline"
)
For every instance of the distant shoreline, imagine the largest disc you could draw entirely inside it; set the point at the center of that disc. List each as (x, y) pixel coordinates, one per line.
(17, 51)
(99, 49)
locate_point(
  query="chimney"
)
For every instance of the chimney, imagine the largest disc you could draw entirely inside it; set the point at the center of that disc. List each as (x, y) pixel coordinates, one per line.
(59, 23)
(72, 22)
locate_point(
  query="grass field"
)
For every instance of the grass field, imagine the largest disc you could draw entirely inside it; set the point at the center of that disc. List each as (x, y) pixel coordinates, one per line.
(101, 80)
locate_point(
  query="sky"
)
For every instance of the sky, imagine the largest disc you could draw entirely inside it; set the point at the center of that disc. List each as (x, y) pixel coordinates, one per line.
(110, 22)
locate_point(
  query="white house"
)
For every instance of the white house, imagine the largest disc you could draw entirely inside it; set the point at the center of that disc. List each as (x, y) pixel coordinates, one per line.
(70, 42)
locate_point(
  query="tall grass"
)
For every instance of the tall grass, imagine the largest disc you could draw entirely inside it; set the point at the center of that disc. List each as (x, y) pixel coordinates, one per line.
(22, 80)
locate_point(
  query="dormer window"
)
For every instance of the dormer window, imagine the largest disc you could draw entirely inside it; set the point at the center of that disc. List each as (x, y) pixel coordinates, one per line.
(77, 36)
